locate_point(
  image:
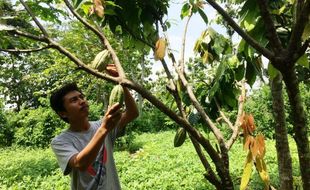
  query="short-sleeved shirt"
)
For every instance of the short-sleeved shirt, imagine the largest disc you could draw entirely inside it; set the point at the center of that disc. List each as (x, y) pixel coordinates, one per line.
(102, 173)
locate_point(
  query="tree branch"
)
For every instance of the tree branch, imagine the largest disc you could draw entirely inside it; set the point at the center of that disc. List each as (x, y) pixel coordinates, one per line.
(25, 50)
(30, 36)
(269, 24)
(220, 166)
(34, 18)
(103, 39)
(268, 54)
(223, 116)
(181, 61)
(297, 30)
(82, 65)
(302, 50)
(237, 124)
(210, 175)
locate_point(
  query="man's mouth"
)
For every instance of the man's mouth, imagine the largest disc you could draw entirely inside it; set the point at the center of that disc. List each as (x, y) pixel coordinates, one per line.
(84, 108)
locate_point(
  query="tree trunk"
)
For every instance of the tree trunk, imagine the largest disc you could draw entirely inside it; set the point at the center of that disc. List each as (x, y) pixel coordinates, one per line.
(300, 126)
(282, 145)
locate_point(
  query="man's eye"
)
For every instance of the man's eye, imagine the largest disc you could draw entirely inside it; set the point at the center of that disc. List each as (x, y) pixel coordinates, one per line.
(74, 99)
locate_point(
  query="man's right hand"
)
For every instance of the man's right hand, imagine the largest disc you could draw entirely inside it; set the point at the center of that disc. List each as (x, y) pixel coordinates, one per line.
(112, 117)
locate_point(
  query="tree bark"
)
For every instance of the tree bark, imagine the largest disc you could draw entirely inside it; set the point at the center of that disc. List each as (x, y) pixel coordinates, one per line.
(300, 124)
(282, 145)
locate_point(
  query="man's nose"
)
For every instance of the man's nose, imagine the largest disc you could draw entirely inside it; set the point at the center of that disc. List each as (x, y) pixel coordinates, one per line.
(82, 100)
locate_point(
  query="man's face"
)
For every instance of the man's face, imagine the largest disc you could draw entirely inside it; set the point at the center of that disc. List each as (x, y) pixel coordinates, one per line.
(76, 106)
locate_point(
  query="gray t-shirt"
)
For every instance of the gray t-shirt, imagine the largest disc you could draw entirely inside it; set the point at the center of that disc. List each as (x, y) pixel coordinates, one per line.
(102, 174)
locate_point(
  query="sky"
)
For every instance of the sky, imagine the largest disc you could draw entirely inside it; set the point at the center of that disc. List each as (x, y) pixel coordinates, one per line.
(195, 28)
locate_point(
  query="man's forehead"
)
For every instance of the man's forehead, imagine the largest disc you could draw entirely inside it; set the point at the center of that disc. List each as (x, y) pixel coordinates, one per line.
(72, 94)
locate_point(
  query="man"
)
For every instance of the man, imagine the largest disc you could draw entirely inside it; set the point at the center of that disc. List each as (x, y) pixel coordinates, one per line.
(85, 149)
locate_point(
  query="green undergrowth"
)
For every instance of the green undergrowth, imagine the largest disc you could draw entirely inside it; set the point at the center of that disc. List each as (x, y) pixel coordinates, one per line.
(151, 163)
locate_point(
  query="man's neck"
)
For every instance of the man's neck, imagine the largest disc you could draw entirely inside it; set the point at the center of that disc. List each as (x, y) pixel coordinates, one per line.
(79, 125)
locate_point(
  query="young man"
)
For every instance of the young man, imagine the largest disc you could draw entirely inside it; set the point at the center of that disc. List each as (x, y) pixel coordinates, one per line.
(85, 149)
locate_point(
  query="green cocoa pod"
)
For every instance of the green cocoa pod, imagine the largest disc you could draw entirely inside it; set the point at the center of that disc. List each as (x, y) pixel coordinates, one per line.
(101, 60)
(117, 95)
(179, 137)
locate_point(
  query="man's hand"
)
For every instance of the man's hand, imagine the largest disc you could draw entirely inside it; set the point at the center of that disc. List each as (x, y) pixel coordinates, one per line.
(111, 70)
(112, 117)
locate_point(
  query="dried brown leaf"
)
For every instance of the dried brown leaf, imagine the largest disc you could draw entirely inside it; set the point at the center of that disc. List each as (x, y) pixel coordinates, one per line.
(99, 9)
(260, 141)
(250, 124)
(248, 142)
(160, 49)
(254, 148)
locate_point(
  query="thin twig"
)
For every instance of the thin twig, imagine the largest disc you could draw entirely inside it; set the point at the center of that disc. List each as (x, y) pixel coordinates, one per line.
(30, 36)
(237, 124)
(25, 50)
(223, 116)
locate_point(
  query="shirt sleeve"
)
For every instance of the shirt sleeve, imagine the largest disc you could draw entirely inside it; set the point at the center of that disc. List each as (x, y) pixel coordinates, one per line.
(63, 151)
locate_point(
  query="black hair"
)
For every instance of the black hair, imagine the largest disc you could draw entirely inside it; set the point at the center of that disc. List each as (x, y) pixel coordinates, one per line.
(56, 99)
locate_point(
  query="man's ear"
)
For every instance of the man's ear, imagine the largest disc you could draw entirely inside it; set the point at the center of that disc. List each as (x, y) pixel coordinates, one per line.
(62, 114)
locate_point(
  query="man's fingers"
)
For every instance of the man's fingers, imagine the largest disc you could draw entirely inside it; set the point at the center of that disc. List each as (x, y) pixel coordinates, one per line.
(115, 107)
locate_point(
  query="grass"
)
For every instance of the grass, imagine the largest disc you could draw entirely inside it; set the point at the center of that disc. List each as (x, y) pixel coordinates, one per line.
(151, 163)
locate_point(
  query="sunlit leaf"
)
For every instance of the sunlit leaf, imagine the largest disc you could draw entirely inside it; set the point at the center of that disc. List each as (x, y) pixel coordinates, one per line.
(272, 72)
(303, 61)
(306, 33)
(185, 10)
(246, 172)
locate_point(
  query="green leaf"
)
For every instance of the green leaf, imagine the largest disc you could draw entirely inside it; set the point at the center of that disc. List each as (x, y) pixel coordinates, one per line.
(77, 3)
(246, 172)
(203, 15)
(303, 61)
(193, 118)
(185, 10)
(272, 72)
(250, 74)
(216, 84)
(306, 33)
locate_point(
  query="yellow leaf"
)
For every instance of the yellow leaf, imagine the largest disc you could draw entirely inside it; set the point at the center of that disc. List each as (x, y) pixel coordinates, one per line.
(160, 49)
(246, 172)
(262, 170)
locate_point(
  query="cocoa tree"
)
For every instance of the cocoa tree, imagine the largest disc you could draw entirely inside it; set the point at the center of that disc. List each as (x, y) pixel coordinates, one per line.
(221, 179)
(280, 32)
(117, 15)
